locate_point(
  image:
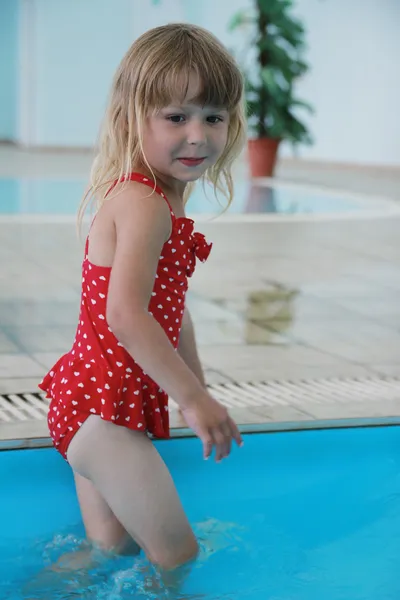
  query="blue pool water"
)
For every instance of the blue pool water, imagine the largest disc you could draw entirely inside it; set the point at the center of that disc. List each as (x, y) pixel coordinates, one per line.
(57, 197)
(306, 515)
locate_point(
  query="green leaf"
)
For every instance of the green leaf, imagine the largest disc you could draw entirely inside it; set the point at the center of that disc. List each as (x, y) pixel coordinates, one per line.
(278, 55)
(290, 30)
(250, 88)
(272, 8)
(239, 19)
(252, 108)
(279, 41)
(302, 104)
(267, 78)
(298, 68)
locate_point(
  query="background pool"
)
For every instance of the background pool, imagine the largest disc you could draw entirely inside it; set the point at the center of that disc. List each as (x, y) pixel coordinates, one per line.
(292, 516)
(58, 197)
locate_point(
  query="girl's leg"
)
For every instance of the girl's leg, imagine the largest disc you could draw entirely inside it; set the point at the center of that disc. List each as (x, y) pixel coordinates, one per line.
(101, 525)
(136, 488)
(103, 530)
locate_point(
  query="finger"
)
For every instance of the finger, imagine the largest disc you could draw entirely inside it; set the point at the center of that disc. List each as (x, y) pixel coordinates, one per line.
(207, 446)
(235, 433)
(219, 440)
(226, 430)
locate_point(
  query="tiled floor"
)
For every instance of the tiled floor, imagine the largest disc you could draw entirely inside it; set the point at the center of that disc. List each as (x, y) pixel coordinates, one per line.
(365, 180)
(370, 181)
(276, 301)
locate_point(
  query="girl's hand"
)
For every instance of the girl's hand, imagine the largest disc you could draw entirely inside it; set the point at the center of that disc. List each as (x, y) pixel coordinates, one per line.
(212, 424)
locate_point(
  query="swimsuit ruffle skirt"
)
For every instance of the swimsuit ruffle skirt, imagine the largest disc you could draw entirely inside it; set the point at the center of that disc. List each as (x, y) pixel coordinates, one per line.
(98, 376)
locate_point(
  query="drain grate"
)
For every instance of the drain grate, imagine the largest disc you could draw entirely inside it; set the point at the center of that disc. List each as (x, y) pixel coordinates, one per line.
(319, 391)
(337, 391)
(22, 407)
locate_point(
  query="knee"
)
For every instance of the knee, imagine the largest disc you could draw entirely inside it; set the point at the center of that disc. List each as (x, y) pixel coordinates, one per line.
(176, 556)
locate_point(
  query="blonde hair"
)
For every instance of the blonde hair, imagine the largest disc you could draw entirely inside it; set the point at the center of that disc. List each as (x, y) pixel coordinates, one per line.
(157, 65)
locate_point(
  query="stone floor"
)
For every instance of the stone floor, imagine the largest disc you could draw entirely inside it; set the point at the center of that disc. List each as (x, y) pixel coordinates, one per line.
(383, 182)
(275, 300)
(278, 301)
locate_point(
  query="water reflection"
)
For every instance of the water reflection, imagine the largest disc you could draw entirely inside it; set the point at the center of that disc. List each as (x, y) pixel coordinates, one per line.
(261, 200)
(62, 197)
(272, 307)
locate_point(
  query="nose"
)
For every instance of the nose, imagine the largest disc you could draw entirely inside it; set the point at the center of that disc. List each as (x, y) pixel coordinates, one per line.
(196, 132)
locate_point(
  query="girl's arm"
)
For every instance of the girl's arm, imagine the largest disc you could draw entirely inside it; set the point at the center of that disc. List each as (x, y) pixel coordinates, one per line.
(188, 348)
(142, 226)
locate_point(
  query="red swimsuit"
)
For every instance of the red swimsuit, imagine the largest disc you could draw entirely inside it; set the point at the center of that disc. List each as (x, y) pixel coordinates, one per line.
(98, 376)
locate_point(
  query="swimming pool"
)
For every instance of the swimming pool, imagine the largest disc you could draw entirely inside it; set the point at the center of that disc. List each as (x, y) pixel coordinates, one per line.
(62, 197)
(304, 515)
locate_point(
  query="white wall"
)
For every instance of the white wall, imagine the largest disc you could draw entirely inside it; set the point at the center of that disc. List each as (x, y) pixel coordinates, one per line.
(70, 49)
(74, 47)
(8, 68)
(354, 82)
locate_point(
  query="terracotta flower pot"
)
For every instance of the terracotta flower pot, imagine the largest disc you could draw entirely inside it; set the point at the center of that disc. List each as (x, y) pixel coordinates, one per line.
(262, 155)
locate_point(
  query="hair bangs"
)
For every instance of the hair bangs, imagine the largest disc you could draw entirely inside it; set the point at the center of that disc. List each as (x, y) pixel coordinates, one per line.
(156, 72)
(220, 83)
(218, 87)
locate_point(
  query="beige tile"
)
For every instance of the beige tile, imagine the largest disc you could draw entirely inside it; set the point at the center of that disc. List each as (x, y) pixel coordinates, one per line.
(384, 275)
(7, 346)
(249, 374)
(282, 414)
(295, 307)
(15, 162)
(255, 271)
(12, 365)
(236, 286)
(46, 359)
(223, 358)
(342, 288)
(24, 429)
(386, 308)
(391, 370)
(204, 310)
(293, 373)
(37, 289)
(313, 330)
(363, 341)
(369, 182)
(247, 416)
(237, 333)
(39, 312)
(362, 353)
(241, 416)
(215, 377)
(19, 385)
(367, 409)
(34, 339)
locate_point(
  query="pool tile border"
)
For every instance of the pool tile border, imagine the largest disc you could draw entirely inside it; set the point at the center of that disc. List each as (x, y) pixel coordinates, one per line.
(15, 439)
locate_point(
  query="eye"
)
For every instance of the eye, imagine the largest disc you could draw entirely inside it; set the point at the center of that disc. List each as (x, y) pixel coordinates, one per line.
(214, 119)
(176, 118)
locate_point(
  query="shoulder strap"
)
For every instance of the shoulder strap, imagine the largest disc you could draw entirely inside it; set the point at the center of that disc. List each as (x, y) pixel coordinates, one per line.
(141, 179)
(146, 181)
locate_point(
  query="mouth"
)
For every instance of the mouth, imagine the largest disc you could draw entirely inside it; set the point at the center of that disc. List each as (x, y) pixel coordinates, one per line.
(191, 162)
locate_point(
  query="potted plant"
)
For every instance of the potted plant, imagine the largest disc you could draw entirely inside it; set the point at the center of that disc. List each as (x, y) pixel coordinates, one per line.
(273, 63)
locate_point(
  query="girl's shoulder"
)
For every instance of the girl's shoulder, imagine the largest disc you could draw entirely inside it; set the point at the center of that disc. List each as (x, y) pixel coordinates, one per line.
(133, 212)
(137, 183)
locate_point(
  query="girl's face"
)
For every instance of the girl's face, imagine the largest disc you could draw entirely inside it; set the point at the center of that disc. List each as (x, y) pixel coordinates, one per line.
(182, 140)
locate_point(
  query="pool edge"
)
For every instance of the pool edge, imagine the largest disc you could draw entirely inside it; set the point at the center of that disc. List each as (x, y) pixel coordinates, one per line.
(248, 428)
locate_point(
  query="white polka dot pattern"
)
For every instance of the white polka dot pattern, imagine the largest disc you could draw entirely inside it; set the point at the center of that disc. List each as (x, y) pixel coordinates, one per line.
(98, 376)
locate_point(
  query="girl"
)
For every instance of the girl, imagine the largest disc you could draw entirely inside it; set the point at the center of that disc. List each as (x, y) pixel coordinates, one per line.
(175, 115)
